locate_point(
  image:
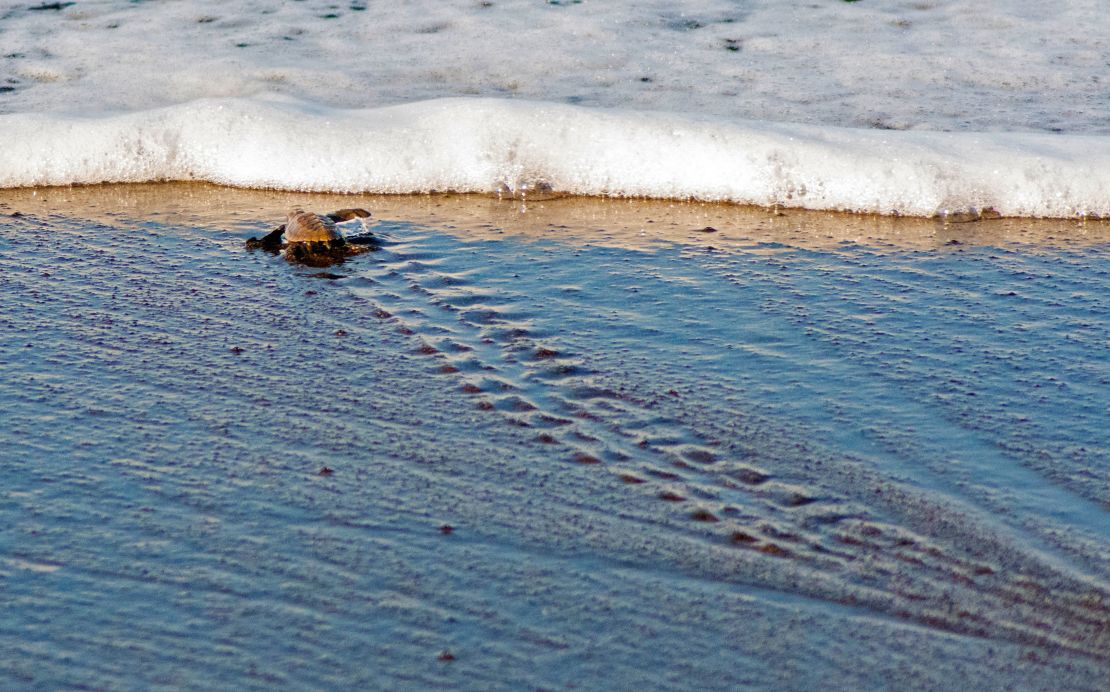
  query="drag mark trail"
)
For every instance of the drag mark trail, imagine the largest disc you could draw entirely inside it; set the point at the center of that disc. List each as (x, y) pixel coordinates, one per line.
(521, 350)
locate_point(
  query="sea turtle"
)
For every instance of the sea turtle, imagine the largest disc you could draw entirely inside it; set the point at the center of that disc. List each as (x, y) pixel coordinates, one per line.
(311, 239)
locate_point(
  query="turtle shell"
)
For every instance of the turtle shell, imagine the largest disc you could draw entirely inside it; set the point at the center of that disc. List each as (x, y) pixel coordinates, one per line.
(306, 227)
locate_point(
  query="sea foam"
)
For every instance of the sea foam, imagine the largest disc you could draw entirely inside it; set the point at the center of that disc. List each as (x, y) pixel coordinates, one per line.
(487, 145)
(992, 65)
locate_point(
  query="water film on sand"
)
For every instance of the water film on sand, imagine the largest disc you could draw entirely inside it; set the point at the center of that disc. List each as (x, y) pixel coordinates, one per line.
(544, 441)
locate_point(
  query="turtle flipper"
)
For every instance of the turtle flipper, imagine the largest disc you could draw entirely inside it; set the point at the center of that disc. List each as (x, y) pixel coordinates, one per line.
(271, 242)
(348, 214)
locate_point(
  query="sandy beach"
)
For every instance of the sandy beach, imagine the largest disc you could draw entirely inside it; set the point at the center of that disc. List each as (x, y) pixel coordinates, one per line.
(564, 442)
(690, 345)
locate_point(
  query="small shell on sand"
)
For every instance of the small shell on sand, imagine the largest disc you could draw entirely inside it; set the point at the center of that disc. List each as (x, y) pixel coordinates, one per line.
(304, 226)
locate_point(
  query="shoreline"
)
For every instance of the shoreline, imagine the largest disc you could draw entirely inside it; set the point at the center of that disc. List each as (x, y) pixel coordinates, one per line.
(625, 222)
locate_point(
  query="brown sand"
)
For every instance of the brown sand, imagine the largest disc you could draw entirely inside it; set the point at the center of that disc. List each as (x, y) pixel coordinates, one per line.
(622, 222)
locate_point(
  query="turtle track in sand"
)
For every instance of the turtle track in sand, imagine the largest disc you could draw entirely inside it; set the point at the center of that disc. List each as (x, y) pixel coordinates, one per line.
(168, 440)
(822, 526)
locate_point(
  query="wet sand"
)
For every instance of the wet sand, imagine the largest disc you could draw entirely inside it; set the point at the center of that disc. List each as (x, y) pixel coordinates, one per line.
(794, 450)
(630, 223)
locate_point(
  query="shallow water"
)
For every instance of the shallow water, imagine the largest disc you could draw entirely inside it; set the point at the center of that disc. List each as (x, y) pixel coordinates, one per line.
(1012, 65)
(792, 450)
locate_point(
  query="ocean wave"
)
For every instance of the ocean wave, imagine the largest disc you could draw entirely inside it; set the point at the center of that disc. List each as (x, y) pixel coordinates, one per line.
(489, 145)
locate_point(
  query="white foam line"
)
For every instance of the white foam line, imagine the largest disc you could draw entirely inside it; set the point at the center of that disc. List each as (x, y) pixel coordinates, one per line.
(478, 145)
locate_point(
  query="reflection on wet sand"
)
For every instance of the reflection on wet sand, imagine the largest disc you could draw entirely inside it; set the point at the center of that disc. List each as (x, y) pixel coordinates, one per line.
(631, 223)
(901, 439)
